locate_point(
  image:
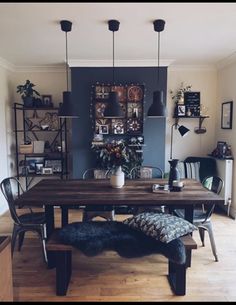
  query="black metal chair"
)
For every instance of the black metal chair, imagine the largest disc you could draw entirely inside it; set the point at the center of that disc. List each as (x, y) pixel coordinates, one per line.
(202, 216)
(147, 172)
(31, 221)
(90, 212)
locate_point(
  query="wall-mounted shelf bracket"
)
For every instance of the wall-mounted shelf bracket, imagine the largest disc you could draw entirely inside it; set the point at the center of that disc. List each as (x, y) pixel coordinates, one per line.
(200, 129)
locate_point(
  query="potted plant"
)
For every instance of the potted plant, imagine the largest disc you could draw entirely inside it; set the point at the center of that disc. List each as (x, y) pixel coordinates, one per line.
(27, 93)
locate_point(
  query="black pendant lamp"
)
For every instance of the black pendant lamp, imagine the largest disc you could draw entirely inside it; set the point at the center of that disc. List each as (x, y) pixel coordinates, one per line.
(67, 109)
(113, 109)
(158, 108)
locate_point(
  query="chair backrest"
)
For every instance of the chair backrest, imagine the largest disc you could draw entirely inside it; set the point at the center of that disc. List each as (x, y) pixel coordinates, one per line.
(95, 173)
(213, 184)
(9, 188)
(146, 172)
(207, 166)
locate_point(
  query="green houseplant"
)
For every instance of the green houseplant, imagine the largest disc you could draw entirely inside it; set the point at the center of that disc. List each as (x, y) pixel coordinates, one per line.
(28, 93)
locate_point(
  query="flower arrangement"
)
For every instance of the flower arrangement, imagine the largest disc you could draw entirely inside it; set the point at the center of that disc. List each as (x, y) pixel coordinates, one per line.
(178, 95)
(117, 153)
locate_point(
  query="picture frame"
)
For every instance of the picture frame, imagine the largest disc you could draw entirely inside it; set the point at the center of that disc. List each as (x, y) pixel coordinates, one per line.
(181, 110)
(38, 168)
(221, 148)
(227, 115)
(104, 129)
(47, 100)
(31, 163)
(55, 164)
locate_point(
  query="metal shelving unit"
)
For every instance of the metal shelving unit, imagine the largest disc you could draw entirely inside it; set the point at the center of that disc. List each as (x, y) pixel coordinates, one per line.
(25, 132)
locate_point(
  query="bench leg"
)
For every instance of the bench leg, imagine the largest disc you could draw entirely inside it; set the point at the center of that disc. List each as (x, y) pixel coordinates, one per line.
(177, 278)
(188, 257)
(63, 271)
(51, 259)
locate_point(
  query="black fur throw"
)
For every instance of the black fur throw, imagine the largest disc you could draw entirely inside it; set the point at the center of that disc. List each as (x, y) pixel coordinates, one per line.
(93, 237)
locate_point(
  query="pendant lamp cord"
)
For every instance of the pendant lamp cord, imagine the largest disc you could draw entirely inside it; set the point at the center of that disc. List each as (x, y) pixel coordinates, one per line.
(158, 58)
(113, 54)
(67, 81)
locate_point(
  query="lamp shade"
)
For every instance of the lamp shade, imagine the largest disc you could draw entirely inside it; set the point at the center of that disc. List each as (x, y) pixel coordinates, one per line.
(157, 109)
(113, 109)
(183, 130)
(67, 109)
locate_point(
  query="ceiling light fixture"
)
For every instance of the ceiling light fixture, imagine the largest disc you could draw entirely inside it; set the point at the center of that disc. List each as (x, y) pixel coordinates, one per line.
(113, 109)
(158, 109)
(67, 109)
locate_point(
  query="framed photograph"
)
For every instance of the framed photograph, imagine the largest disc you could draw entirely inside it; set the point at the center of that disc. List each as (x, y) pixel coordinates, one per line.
(221, 148)
(181, 110)
(55, 164)
(104, 129)
(227, 115)
(31, 163)
(38, 168)
(47, 100)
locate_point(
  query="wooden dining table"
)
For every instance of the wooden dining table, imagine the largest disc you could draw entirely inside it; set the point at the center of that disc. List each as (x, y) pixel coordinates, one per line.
(49, 193)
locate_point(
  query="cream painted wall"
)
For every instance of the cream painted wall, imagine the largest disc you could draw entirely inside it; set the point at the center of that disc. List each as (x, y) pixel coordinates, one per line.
(227, 92)
(52, 83)
(204, 80)
(5, 127)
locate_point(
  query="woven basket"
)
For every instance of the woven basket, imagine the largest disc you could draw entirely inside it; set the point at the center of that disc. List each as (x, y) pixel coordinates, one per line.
(26, 148)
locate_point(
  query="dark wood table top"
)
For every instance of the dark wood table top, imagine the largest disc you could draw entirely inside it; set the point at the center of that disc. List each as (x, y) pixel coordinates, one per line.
(97, 192)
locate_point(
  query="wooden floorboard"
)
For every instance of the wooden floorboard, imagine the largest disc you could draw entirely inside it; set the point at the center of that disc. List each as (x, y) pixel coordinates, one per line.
(108, 277)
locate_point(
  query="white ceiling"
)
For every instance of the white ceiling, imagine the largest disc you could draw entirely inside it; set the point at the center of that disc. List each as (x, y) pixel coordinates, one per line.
(195, 33)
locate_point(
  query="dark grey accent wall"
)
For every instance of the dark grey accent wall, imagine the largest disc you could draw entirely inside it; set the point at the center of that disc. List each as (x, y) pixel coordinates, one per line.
(82, 132)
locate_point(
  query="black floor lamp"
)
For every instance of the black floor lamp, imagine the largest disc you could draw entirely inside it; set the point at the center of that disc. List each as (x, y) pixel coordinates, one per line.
(182, 130)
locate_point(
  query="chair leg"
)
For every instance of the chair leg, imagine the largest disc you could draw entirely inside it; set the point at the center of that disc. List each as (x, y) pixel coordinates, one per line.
(202, 235)
(208, 227)
(13, 239)
(44, 250)
(21, 240)
(41, 233)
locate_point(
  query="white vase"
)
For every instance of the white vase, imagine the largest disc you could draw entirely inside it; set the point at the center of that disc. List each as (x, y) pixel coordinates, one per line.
(117, 178)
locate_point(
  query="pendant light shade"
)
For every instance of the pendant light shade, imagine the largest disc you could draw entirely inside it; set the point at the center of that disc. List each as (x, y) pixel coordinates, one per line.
(67, 108)
(183, 130)
(158, 108)
(113, 109)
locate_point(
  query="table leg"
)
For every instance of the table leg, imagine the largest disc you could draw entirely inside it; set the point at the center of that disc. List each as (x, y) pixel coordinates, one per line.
(50, 224)
(189, 217)
(64, 216)
(189, 213)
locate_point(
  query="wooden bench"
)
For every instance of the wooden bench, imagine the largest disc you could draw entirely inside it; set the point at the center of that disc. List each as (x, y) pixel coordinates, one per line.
(60, 255)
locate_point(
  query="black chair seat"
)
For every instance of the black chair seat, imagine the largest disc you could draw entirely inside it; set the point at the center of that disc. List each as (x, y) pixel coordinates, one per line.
(198, 215)
(33, 218)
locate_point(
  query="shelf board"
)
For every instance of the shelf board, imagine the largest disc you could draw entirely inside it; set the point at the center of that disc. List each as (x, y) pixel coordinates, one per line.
(41, 154)
(32, 130)
(41, 175)
(191, 117)
(21, 107)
